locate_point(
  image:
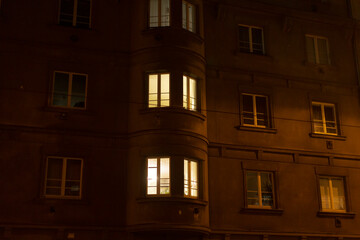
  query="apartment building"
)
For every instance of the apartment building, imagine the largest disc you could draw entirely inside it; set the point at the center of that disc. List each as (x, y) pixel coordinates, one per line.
(179, 119)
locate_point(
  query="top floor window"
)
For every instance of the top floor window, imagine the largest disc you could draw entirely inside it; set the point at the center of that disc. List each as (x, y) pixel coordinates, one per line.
(188, 16)
(251, 39)
(317, 49)
(159, 13)
(75, 13)
(324, 118)
(255, 110)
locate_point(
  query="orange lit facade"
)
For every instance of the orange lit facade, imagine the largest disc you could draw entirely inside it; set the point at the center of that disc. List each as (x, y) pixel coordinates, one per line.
(179, 119)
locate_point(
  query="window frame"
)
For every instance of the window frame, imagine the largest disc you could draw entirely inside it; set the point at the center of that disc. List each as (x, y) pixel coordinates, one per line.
(251, 48)
(159, 93)
(316, 49)
(260, 206)
(344, 184)
(195, 16)
(189, 180)
(322, 105)
(74, 14)
(255, 125)
(63, 178)
(158, 166)
(159, 15)
(69, 95)
(188, 97)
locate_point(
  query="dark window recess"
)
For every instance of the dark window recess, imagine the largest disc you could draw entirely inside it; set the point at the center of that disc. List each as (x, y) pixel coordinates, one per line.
(75, 13)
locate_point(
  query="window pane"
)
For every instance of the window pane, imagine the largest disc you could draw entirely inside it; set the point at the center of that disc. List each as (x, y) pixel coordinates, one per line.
(186, 178)
(248, 109)
(338, 194)
(184, 18)
(66, 12)
(165, 90)
(191, 13)
(244, 41)
(323, 51)
(73, 169)
(78, 91)
(165, 12)
(185, 92)
(266, 182)
(83, 14)
(325, 193)
(61, 87)
(317, 115)
(194, 178)
(164, 175)
(153, 90)
(267, 199)
(192, 94)
(54, 168)
(310, 49)
(329, 113)
(251, 181)
(154, 15)
(152, 176)
(257, 40)
(261, 111)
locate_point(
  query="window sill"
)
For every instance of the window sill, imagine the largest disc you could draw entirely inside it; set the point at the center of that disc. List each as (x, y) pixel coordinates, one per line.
(327, 136)
(256, 129)
(237, 52)
(179, 110)
(262, 211)
(172, 200)
(65, 110)
(62, 200)
(336, 214)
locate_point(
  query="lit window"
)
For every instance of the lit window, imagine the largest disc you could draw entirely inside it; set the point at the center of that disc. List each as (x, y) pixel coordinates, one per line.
(159, 90)
(255, 110)
(188, 16)
(69, 90)
(251, 39)
(158, 176)
(189, 93)
(332, 194)
(63, 177)
(75, 13)
(191, 178)
(159, 13)
(317, 49)
(324, 118)
(260, 190)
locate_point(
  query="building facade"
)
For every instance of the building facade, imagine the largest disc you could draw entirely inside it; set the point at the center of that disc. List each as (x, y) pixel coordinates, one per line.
(179, 119)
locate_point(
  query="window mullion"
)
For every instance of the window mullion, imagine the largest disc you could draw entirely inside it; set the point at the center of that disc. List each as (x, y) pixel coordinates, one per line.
(75, 12)
(259, 189)
(63, 177)
(331, 194)
(158, 176)
(188, 92)
(323, 117)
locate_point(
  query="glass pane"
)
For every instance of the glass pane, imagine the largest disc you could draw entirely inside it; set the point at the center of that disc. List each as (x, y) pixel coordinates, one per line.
(266, 182)
(310, 49)
(248, 109)
(83, 14)
(185, 92)
(153, 90)
(267, 199)
(257, 40)
(54, 171)
(186, 178)
(191, 13)
(73, 169)
(154, 15)
(61, 88)
(53, 183)
(338, 194)
(152, 176)
(165, 90)
(66, 12)
(194, 178)
(78, 91)
(317, 115)
(164, 168)
(165, 12)
(323, 51)
(329, 113)
(318, 127)
(184, 18)
(244, 41)
(261, 111)
(53, 191)
(325, 193)
(192, 91)
(251, 181)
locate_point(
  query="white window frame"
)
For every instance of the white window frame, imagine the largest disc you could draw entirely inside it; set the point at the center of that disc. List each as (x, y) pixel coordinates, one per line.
(63, 178)
(187, 19)
(186, 89)
(188, 182)
(259, 190)
(254, 110)
(316, 48)
(159, 94)
(251, 49)
(69, 90)
(331, 193)
(74, 17)
(158, 179)
(324, 121)
(159, 22)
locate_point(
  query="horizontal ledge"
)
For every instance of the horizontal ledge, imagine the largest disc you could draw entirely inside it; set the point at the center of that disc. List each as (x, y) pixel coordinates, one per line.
(256, 129)
(178, 110)
(327, 136)
(172, 200)
(336, 214)
(263, 211)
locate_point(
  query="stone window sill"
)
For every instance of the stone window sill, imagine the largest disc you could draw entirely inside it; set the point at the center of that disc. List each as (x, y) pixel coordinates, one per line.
(336, 214)
(327, 136)
(263, 211)
(256, 129)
